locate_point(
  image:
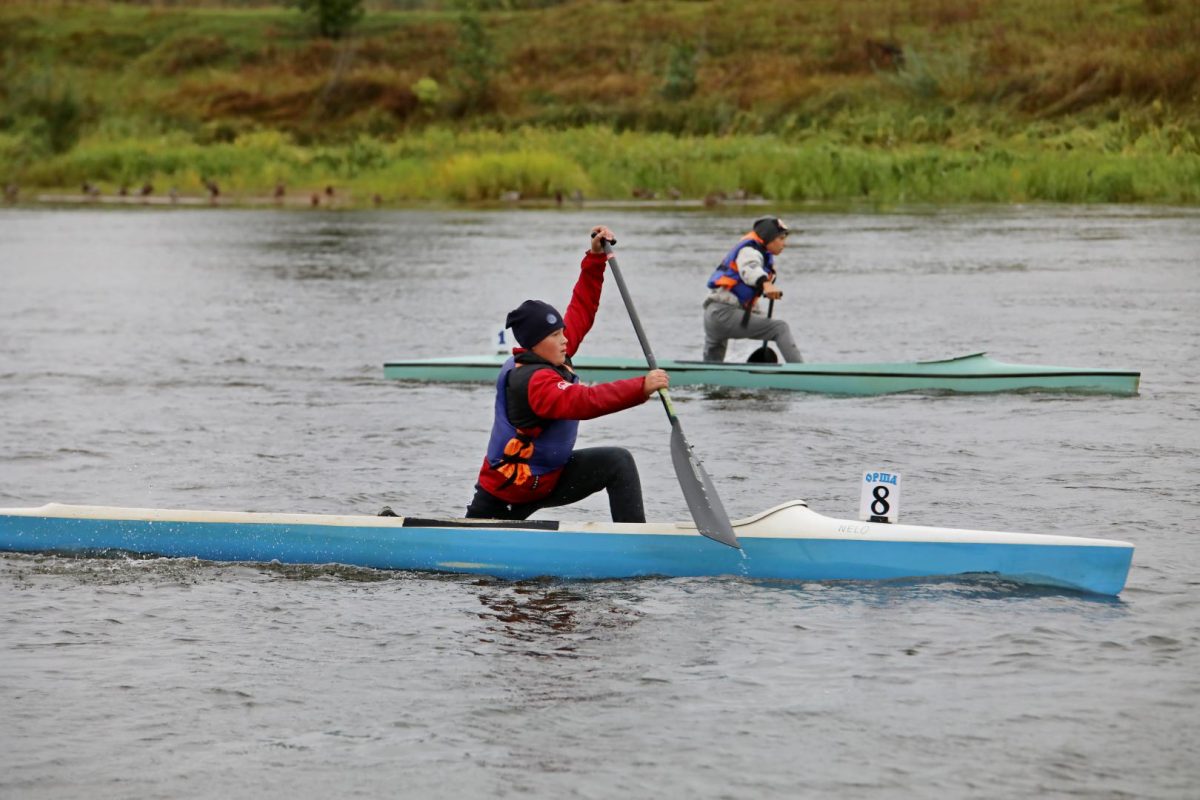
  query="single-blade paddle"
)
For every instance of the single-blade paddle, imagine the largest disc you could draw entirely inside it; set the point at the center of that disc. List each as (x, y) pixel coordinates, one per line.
(764, 354)
(698, 490)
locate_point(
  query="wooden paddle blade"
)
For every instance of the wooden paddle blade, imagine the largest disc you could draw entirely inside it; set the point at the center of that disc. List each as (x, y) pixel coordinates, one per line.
(707, 511)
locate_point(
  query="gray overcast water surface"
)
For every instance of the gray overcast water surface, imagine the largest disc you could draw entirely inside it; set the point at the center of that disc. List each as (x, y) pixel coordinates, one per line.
(232, 360)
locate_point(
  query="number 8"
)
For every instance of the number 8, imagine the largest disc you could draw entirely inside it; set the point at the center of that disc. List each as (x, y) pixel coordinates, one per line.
(881, 493)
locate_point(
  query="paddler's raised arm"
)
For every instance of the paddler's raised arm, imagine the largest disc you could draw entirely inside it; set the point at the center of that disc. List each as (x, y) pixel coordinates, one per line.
(585, 298)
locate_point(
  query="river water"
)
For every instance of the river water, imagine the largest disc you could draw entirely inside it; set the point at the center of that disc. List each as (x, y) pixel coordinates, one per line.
(232, 360)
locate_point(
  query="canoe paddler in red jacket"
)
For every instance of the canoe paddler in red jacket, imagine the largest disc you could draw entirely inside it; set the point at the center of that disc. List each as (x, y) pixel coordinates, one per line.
(531, 460)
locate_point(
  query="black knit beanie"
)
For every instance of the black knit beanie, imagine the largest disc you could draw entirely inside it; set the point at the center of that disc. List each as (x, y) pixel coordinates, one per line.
(770, 228)
(533, 321)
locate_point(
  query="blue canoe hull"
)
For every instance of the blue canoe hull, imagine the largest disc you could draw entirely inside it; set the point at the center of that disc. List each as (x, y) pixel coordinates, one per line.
(580, 551)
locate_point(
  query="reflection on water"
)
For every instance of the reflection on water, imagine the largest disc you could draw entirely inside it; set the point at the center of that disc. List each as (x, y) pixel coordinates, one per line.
(545, 619)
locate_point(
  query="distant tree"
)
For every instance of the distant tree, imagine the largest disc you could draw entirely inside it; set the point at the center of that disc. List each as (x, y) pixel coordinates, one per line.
(679, 83)
(333, 18)
(47, 107)
(474, 58)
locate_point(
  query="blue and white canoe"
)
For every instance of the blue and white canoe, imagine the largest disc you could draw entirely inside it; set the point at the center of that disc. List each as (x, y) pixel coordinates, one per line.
(787, 542)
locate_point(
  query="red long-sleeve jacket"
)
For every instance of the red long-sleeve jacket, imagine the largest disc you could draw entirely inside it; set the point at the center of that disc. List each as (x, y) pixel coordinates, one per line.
(552, 397)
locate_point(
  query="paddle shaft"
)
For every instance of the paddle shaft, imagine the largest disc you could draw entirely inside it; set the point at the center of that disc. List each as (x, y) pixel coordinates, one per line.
(637, 325)
(770, 311)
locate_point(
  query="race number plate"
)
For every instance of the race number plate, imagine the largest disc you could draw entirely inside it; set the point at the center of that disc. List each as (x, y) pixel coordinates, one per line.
(880, 497)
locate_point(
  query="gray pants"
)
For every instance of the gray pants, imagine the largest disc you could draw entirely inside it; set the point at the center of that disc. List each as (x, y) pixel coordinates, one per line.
(723, 322)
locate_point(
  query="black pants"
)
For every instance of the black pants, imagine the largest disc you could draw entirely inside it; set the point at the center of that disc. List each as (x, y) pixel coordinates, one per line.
(587, 471)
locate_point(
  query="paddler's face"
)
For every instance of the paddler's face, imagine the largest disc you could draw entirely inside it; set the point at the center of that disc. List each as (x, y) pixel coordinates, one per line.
(553, 348)
(776, 245)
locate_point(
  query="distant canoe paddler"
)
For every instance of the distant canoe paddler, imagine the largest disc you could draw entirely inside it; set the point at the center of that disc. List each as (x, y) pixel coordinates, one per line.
(747, 272)
(531, 460)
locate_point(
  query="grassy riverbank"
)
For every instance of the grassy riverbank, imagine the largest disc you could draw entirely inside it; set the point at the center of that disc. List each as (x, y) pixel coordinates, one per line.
(442, 166)
(918, 101)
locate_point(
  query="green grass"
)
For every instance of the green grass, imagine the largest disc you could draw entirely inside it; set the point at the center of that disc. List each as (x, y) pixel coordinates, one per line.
(993, 101)
(440, 165)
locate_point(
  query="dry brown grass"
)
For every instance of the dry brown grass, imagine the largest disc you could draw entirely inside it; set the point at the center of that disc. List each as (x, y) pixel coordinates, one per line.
(1040, 58)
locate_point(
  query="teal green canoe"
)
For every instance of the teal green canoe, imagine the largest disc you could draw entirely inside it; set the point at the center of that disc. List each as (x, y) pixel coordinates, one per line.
(970, 374)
